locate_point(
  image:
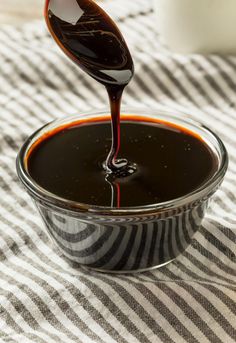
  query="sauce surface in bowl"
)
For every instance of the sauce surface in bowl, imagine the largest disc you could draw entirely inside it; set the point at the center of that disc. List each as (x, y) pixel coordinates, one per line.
(171, 163)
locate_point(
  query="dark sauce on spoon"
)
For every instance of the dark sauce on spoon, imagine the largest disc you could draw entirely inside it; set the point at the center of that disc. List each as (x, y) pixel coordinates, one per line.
(93, 41)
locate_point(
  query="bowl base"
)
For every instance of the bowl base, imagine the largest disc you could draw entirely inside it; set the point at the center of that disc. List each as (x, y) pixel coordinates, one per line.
(107, 271)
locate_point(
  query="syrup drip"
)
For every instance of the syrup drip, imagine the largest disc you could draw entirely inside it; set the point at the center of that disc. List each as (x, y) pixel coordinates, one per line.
(93, 41)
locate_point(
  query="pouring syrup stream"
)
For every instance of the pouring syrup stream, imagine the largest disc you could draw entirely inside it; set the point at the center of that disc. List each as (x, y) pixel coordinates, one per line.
(90, 38)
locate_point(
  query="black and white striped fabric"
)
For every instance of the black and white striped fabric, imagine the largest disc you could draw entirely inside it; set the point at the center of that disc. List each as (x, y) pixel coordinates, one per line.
(42, 297)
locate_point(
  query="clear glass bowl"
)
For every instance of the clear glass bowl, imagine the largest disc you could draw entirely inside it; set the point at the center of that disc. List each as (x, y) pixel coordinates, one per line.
(124, 239)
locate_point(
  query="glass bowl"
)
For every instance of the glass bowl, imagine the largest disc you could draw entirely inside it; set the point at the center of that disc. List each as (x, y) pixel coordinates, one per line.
(124, 240)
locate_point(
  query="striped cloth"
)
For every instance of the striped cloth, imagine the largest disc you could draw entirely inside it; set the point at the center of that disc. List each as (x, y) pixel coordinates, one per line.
(43, 298)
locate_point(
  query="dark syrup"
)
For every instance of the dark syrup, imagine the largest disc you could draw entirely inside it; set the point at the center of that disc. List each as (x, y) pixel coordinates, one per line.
(169, 162)
(172, 162)
(93, 41)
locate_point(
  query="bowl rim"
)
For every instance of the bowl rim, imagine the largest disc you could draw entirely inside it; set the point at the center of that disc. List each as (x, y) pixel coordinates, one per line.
(203, 192)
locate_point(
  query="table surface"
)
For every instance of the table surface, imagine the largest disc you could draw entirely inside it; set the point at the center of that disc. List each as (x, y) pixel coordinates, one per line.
(19, 11)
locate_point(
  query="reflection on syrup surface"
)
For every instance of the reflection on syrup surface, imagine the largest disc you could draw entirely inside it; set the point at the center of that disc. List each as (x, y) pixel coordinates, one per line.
(171, 162)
